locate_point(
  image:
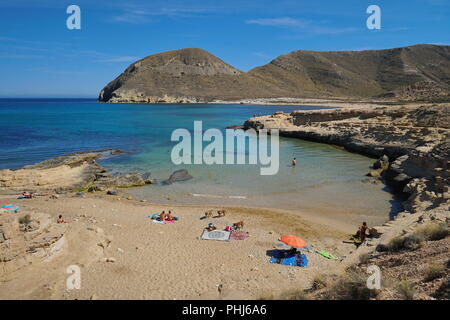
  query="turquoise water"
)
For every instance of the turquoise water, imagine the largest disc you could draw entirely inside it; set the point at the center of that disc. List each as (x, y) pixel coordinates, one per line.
(326, 179)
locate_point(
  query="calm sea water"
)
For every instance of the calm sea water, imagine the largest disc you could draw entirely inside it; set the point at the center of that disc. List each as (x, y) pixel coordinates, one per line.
(326, 179)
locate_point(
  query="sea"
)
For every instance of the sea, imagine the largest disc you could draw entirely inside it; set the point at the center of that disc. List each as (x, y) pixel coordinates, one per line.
(326, 180)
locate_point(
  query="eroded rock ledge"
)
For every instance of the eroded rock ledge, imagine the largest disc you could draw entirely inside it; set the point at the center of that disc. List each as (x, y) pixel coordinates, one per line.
(69, 173)
(412, 142)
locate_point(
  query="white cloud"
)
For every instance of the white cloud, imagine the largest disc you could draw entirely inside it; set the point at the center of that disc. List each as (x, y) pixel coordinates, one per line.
(279, 22)
(139, 15)
(304, 27)
(121, 59)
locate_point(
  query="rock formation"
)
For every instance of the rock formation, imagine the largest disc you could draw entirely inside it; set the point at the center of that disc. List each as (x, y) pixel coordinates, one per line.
(419, 72)
(69, 173)
(179, 175)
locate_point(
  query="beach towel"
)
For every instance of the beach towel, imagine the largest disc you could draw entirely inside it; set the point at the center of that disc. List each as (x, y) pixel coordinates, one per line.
(11, 208)
(297, 260)
(239, 235)
(326, 255)
(156, 219)
(219, 235)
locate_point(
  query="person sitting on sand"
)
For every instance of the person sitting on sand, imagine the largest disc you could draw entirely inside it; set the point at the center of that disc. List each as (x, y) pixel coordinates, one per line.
(162, 216)
(361, 233)
(211, 227)
(169, 216)
(294, 162)
(60, 219)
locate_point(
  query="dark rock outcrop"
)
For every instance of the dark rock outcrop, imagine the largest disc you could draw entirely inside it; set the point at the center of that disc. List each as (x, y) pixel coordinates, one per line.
(179, 175)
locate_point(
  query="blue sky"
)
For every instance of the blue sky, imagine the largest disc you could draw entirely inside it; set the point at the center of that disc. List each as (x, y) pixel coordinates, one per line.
(40, 57)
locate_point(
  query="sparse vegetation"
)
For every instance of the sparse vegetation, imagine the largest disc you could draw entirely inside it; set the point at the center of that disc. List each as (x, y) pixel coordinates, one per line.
(395, 244)
(399, 243)
(352, 286)
(364, 258)
(25, 219)
(433, 231)
(294, 295)
(434, 271)
(319, 282)
(406, 290)
(429, 232)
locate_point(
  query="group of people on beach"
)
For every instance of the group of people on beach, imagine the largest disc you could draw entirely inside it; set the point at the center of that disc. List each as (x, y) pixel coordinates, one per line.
(163, 216)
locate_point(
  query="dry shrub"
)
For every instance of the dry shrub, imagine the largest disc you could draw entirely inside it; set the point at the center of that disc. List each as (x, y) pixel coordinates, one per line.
(352, 286)
(294, 295)
(433, 231)
(434, 271)
(25, 219)
(319, 282)
(406, 290)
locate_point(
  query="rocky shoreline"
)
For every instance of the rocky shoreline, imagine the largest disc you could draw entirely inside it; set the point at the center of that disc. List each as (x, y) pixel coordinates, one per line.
(69, 173)
(78, 172)
(411, 142)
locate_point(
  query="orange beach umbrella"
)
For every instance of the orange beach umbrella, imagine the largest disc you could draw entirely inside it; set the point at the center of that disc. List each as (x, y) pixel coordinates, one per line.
(293, 241)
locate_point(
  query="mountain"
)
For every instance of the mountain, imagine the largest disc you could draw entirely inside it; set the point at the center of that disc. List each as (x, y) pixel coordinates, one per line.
(194, 75)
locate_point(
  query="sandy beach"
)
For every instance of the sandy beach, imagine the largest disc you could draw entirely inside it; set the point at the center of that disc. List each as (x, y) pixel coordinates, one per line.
(154, 261)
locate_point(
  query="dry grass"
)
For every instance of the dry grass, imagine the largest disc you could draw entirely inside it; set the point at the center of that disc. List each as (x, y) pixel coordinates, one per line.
(364, 258)
(294, 295)
(25, 219)
(433, 231)
(410, 242)
(352, 286)
(406, 290)
(434, 271)
(319, 282)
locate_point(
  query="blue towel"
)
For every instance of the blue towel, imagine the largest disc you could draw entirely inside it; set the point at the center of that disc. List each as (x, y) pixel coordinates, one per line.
(299, 260)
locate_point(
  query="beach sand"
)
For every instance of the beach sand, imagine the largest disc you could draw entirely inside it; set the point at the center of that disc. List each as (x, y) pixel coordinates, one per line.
(155, 261)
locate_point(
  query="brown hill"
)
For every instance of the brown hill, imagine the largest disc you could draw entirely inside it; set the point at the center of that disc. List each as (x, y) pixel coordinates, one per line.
(194, 75)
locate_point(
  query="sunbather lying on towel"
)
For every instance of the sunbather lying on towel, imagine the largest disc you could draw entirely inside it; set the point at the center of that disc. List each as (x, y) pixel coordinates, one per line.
(28, 195)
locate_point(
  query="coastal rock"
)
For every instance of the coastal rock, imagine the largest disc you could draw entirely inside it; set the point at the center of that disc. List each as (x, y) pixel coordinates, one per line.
(72, 172)
(179, 175)
(382, 163)
(129, 180)
(414, 138)
(147, 177)
(375, 173)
